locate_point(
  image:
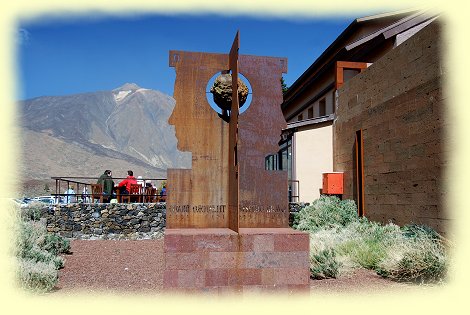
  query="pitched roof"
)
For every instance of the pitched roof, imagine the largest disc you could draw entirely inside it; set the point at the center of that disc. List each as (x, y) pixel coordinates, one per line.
(395, 28)
(404, 20)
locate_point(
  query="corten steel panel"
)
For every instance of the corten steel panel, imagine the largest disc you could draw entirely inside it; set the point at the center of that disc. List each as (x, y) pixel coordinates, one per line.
(233, 183)
(263, 196)
(197, 197)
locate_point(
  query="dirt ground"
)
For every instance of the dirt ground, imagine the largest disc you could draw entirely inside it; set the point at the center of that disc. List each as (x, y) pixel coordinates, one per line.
(137, 266)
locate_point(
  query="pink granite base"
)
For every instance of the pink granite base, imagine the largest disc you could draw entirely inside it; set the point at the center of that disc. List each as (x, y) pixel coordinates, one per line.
(222, 261)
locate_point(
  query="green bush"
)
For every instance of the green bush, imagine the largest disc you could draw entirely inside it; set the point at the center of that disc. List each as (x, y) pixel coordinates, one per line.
(55, 244)
(414, 230)
(32, 212)
(38, 254)
(325, 212)
(324, 265)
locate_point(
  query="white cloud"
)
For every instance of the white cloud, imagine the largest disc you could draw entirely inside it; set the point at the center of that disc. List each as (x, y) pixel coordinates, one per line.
(22, 36)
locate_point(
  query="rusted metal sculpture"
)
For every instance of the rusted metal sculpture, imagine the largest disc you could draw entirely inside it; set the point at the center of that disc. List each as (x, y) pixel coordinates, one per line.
(227, 185)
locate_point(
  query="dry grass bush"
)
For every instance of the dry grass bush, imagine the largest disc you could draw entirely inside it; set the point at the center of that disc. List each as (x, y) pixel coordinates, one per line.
(340, 241)
(36, 276)
(420, 256)
(37, 251)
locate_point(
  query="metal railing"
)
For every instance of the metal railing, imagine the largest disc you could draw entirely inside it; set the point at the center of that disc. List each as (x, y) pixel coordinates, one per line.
(82, 188)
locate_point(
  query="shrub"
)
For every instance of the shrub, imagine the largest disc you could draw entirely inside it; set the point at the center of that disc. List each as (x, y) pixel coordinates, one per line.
(27, 235)
(36, 276)
(419, 257)
(55, 244)
(32, 211)
(324, 265)
(325, 212)
(366, 242)
(37, 252)
(340, 241)
(416, 230)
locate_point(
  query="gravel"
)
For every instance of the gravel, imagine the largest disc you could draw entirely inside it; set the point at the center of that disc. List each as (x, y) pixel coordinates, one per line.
(136, 265)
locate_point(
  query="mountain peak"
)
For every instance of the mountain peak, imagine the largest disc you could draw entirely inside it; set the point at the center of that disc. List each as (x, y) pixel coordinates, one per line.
(127, 87)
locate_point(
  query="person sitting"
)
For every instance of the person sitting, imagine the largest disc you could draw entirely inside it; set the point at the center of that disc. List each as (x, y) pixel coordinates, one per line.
(140, 181)
(125, 185)
(85, 195)
(163, 193)
(107, 182)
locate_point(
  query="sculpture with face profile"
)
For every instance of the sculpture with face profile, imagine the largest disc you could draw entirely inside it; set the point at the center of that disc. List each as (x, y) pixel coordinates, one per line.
(228, 155)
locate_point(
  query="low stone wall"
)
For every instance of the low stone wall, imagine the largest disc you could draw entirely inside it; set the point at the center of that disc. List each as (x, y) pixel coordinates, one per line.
(82, 220)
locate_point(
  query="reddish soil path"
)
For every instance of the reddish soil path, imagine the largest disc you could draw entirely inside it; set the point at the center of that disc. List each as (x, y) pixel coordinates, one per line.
(116, 265)
(137, 266)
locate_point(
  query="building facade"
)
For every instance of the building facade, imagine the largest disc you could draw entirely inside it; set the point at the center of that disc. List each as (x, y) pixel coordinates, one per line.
(389, 134)
(372, 106)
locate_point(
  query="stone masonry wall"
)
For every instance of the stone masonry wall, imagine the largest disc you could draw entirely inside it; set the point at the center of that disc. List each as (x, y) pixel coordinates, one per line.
(81, 220)
(400, 105)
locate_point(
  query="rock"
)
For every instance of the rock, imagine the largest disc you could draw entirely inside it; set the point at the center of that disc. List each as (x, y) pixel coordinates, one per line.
(67, 234)
(222, 91)
(77, 234)
(98, 231)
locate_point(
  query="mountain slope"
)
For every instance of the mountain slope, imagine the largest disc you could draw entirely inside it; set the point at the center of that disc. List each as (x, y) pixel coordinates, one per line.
(83, 134)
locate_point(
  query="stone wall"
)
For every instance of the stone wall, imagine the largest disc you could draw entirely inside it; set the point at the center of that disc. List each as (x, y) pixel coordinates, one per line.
(122, 220)
(84, 220)
(399, 104)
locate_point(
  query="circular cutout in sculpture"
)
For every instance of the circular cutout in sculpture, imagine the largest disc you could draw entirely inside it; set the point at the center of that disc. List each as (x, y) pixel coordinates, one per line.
(222, 91)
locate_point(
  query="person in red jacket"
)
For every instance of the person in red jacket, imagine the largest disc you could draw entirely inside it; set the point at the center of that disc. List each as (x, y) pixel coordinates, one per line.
(125, 185)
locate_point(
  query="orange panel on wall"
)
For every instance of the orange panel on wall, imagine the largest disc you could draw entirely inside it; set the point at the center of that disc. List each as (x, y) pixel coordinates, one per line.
(332, 183)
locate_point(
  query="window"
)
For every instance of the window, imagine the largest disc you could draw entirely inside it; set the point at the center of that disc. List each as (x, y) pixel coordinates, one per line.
(271, 162)
(322, 108)
(285, 164)
(310, 112)
(300, 117)
(285, 157)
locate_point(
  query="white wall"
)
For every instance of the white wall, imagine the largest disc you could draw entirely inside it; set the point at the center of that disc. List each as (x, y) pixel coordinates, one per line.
(313, 156)
(329, 101)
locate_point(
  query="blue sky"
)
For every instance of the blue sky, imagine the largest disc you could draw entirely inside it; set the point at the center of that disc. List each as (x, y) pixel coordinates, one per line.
(60, 56)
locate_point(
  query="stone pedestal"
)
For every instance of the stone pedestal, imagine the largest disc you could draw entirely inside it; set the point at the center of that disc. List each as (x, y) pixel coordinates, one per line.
(221, 261)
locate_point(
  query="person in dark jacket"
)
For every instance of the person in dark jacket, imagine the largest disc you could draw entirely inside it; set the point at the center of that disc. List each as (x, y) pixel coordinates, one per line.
(107, 182)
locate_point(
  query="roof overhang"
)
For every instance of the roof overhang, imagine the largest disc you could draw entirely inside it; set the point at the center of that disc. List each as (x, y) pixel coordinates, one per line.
(294, 126)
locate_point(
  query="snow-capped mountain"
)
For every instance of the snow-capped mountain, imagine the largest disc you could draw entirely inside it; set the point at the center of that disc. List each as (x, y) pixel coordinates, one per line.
(84, 134)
